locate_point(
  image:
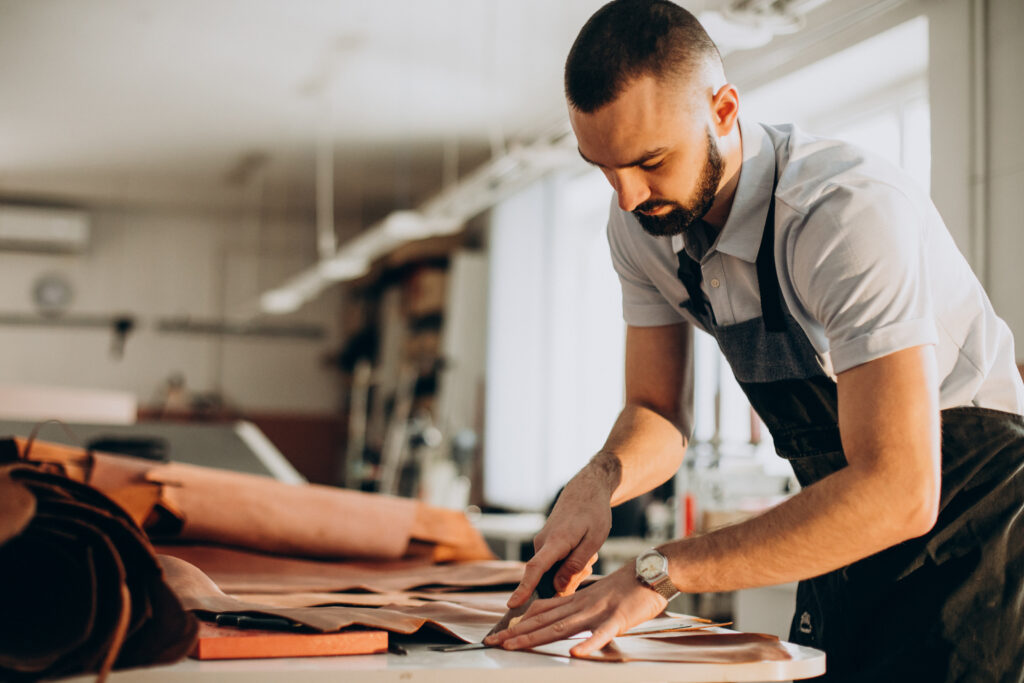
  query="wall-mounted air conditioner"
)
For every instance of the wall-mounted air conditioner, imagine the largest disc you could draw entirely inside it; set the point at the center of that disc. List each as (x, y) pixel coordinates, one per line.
(31, 228)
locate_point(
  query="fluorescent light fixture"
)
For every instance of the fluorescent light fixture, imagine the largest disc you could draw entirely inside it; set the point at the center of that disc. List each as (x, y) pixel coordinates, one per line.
(730, 36)
(444, 214)
(445, 225)
(405, 225)
(290, 296)
(342, 267)
(544, 157)
(413, 225)
(279, 301)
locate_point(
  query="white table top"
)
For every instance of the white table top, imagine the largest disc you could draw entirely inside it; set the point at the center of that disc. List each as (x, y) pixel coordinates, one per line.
(423, 665)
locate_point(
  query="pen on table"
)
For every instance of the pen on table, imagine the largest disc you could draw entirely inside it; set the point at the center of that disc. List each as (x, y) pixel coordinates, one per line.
(264, 623)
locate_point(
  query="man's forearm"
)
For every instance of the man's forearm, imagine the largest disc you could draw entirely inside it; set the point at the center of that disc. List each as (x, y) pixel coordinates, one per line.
(888, 492)
(839, 520)
(643, 450)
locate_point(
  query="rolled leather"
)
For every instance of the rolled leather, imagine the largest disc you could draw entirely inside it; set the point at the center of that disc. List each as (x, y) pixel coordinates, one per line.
(245, 571)
(176, 501)
(80, 588)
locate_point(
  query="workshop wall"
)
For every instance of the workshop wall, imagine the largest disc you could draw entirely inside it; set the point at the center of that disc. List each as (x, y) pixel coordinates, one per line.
(1005, 138)
(977, 142)
(155, 264)
(975, 97)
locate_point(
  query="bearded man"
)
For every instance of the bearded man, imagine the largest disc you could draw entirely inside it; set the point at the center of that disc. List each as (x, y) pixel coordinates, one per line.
(860, 336)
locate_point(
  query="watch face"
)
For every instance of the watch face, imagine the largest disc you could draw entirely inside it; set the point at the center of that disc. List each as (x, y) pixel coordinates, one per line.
(650, 565)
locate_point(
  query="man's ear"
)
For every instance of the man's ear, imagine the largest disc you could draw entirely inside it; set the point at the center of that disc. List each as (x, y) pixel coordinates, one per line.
(725, 107)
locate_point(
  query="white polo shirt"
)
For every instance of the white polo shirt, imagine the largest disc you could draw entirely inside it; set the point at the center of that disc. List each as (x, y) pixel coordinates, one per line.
(866, 266)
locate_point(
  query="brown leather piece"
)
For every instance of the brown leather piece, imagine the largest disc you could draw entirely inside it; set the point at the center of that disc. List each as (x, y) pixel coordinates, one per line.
(467, 623)
(293, 600)
(79, 585)
(250, 511)
(446, 529)
(17, 506)
(240, 571)
(189, 502)
(198, 593)
(70, 461)
(718, 648)
(494, 601)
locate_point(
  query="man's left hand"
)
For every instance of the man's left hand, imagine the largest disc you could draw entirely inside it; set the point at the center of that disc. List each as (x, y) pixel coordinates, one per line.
(607, 608)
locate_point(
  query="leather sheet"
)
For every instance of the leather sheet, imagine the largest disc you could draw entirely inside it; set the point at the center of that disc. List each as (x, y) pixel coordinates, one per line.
(238, 571)
(189, 502)
(467, 616)
(80, 588)
(197, 592)
(486, 600)
(691, 647)
(291, 600)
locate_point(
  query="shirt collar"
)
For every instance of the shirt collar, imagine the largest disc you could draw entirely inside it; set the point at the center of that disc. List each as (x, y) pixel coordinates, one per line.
(741, 234)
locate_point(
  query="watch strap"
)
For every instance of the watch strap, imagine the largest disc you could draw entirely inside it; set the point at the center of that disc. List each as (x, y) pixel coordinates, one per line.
(665, 588)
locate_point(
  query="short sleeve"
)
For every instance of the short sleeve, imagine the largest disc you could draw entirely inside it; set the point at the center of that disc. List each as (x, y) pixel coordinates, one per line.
(643, 305)
(859, 269)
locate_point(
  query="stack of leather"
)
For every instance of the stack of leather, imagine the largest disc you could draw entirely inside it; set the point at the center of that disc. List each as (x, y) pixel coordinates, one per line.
(462, 600)
(317, 559)
(262, 526)
(80, 587)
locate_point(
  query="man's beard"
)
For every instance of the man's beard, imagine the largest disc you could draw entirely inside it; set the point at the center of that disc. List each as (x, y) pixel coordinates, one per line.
(680, 218)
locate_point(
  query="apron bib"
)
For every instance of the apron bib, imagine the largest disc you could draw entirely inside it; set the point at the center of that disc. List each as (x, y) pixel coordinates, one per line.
(948, 606)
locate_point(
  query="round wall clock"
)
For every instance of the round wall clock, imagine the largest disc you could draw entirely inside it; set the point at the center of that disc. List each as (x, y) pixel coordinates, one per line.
(52, 293)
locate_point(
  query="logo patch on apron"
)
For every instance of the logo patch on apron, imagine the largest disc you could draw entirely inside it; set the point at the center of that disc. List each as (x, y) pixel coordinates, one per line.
(805, 623)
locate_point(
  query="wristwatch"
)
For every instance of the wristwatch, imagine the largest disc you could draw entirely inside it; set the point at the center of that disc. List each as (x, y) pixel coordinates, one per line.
(652, 571)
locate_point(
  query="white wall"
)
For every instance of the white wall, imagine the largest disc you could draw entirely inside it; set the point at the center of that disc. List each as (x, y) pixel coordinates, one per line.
(1005, 196)
(976, 96)
(555, 339)
(157, 263)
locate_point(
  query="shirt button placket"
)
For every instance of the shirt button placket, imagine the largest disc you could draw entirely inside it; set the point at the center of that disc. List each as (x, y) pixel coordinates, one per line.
(714, 277)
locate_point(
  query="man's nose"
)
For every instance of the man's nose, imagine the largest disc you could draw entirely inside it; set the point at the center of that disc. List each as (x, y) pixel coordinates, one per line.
(631, 189)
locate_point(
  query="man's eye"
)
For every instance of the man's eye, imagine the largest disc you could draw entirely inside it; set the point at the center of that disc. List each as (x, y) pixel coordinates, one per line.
(650, 166)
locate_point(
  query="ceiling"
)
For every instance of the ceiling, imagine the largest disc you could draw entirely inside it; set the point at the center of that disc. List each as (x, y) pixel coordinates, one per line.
(222, 103)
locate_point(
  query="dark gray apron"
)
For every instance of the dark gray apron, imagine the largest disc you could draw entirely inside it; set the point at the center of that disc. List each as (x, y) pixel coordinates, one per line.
(948, 606)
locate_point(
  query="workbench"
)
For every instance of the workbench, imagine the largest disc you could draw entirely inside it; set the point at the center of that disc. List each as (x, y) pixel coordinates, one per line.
(492, 665)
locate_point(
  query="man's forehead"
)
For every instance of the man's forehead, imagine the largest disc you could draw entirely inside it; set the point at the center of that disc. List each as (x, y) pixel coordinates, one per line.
(646, 116)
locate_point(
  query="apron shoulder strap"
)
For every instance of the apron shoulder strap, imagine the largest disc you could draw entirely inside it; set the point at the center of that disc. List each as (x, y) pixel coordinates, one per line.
(767, 277)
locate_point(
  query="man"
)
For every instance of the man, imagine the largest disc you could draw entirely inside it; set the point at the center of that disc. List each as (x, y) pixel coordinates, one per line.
(860, 336)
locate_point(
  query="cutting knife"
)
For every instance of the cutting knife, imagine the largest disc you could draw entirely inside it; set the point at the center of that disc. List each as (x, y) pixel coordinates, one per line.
(545, 589)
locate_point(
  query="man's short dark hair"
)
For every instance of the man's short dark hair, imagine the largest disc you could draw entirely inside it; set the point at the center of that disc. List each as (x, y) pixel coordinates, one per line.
(627, 39)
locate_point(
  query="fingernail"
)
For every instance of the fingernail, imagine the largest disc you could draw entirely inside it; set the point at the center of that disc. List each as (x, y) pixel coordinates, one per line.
(561, 583)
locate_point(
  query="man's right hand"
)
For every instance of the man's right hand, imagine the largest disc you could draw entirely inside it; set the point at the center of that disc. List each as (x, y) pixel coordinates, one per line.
(577, 527)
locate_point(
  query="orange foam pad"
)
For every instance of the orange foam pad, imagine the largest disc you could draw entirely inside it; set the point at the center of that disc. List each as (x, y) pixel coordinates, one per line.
(222, 642)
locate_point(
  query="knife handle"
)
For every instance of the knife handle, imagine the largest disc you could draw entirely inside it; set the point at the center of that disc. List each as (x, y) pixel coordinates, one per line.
(546, 585)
